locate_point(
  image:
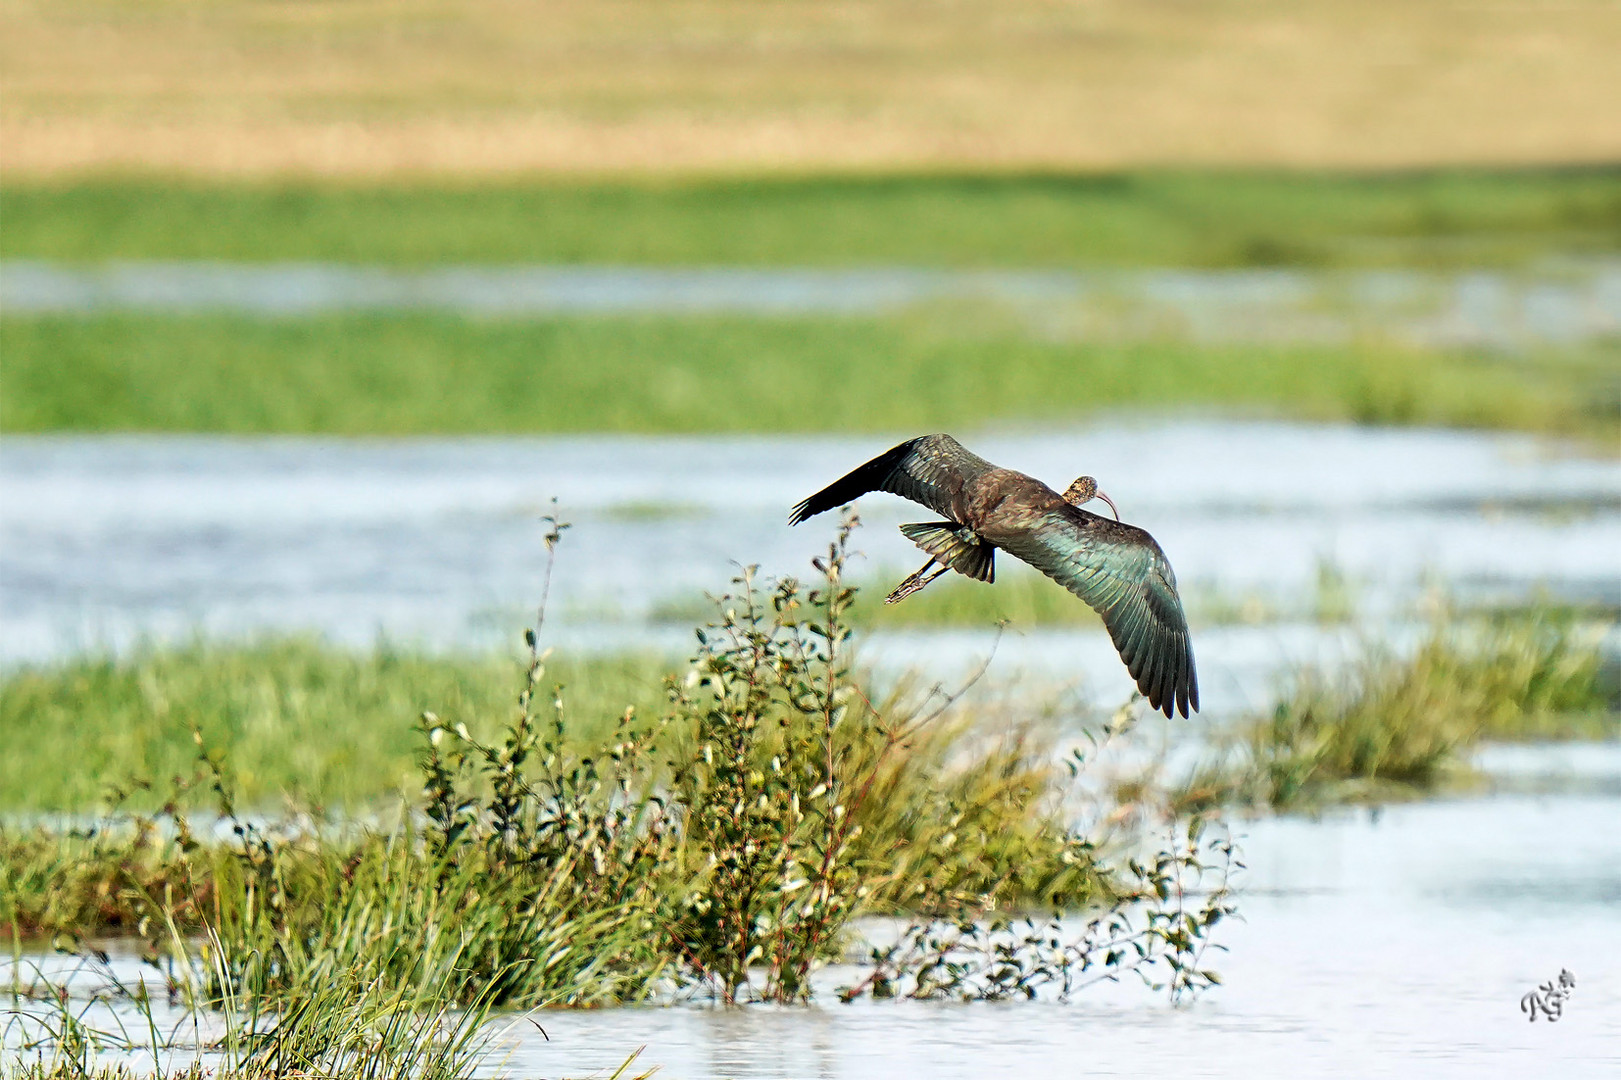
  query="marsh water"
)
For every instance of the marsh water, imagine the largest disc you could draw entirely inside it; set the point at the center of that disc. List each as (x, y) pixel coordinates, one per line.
(1390, 944)
(1400, 946)
(1559, 302)
(109, 541)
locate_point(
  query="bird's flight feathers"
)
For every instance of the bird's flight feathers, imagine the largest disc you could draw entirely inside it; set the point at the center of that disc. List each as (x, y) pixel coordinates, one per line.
(930, 470)
(1122, 575)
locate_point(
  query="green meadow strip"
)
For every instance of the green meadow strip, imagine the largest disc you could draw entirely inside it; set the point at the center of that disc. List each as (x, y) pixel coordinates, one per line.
(292, 716)
(370, 374)
(1166, 218)
(329, 727)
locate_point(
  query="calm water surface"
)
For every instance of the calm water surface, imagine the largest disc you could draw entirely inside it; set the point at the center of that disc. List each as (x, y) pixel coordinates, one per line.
(1561, 302)
(1398, 947)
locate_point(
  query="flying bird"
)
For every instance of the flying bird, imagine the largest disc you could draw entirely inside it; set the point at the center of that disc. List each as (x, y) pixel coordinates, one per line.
(1116, 568)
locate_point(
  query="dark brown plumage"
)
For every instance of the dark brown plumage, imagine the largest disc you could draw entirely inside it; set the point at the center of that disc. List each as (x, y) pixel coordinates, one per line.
(1116, 568)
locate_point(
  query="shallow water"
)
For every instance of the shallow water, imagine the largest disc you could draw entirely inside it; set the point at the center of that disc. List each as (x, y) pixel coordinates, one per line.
(1392, 947)
(1569, 302)
(1395, 944)
(105, 541)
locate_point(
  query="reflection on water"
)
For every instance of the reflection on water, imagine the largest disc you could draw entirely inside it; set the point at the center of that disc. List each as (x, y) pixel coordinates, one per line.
(1369, 946)
(105, 540)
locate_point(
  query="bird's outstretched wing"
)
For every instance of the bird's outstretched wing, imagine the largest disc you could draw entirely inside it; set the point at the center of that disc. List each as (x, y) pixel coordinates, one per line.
(1123, 575)
(930, 470)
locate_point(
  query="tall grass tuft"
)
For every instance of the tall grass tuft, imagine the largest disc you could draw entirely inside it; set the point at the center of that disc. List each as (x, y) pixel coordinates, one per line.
(1395, 725)
(352, 1023)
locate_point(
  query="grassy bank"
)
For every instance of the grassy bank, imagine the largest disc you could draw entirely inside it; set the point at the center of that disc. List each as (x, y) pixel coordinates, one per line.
(1025, 599)
(1458, 218)
(431, 374)
(291, 716)
(326, 727)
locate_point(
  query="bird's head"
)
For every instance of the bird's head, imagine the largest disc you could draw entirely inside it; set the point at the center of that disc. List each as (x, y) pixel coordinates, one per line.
(1084, 490)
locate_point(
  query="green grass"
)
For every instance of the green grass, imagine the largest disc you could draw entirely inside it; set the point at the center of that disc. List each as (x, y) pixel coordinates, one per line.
(1211, 218)
(294, 717)
(1021, 598)
(303, 720)
(363, 374)
(1400, 726)
(1024, 598)
(423, 374)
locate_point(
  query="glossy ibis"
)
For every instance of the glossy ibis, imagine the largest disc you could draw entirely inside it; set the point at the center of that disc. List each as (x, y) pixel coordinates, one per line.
(1116, 568)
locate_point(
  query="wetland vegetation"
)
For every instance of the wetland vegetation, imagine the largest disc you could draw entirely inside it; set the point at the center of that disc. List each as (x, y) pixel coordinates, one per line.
(573, 851)
(945, 810)
(718, 848)
(1465, 218)
(1394, 726)
(403, 373)
(428, 374)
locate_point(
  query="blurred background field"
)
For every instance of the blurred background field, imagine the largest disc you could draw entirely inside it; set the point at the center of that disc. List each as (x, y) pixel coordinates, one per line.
(1507, 268)
(1496, 214)
(309, 309)
(447, 375)
(1336, 139)
(429, 86)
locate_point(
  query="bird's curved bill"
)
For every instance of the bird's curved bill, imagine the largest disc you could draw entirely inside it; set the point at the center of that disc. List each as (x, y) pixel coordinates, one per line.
(1110, 501)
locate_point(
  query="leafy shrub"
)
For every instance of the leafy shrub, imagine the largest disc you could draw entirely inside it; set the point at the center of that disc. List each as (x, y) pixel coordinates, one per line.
(720, 849)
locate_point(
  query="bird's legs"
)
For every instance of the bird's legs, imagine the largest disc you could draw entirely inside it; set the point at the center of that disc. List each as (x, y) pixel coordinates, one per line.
(914, 583)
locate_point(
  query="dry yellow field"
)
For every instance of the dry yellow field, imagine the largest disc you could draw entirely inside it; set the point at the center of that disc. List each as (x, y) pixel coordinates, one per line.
(384, 87)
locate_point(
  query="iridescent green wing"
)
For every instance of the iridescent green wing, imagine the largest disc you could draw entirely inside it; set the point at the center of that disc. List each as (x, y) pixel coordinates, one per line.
(931, 470)
(1123, 575)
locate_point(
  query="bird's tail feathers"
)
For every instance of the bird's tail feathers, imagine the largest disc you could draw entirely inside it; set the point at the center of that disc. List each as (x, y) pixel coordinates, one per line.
(955, 546)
